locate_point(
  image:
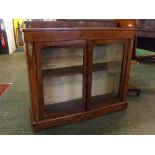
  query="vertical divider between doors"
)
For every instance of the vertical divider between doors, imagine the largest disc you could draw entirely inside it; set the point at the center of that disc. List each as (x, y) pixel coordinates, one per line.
(89, 53)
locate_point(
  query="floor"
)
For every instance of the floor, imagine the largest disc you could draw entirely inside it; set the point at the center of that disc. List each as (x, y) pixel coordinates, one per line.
(139, 118)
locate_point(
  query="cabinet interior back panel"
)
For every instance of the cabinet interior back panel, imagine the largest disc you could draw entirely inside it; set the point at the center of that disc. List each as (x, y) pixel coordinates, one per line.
(66, 88)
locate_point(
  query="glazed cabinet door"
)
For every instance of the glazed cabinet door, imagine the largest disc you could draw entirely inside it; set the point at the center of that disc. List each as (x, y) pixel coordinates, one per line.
(61, 76)
(107, 72)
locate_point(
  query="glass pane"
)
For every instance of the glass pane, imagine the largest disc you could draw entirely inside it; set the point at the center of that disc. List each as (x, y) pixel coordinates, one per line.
(62, 69)
(107, 64)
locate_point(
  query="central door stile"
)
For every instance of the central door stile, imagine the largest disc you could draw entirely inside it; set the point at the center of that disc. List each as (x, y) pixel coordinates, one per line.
(88, 78)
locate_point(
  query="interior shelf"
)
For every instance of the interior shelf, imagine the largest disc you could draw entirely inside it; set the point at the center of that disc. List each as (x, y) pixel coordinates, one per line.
(63, 106)
(103, 99)
(112, 66)
(77, 104)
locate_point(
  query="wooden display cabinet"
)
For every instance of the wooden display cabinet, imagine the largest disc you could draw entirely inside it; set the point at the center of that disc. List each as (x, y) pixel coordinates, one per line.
(77, 73)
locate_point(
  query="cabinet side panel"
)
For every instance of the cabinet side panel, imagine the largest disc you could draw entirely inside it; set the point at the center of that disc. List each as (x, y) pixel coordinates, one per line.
(128, 66)
(123, 74)
(32, 79)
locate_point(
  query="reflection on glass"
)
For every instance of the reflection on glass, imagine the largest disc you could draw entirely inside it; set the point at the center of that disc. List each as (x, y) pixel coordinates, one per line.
(107, 64)
(62, 69)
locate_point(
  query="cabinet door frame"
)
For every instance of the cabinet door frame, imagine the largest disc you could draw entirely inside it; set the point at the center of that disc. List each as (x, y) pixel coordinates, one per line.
(38, 48)
(91, 45)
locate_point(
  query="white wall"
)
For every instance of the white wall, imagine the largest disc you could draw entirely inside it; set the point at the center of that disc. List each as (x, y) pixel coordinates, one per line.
(10, 34)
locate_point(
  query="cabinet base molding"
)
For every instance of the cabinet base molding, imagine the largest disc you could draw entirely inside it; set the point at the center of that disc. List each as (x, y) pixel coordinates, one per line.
(51, 122)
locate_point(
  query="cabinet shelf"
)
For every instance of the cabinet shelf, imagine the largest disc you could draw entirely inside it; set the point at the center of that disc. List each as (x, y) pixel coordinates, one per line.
(76, 104)
(79, 69)
(63, 106)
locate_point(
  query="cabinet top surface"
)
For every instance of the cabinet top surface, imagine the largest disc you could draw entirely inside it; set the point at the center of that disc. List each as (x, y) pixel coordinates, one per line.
(77, 29)
(58, 31)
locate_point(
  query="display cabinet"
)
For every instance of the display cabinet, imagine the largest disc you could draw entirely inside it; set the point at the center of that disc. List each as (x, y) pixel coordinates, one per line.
(77, 73)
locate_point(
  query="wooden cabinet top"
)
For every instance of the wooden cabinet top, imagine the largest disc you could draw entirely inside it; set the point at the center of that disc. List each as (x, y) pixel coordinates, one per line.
(56, 31)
